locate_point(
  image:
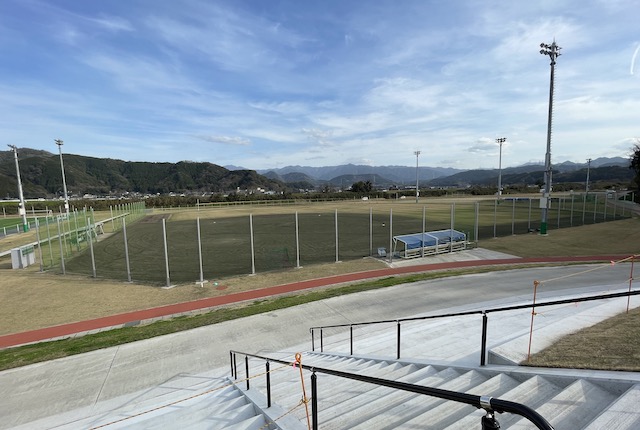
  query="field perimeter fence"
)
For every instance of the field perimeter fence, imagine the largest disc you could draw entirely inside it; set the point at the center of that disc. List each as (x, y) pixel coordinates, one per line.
(65, 236)
(200, 245)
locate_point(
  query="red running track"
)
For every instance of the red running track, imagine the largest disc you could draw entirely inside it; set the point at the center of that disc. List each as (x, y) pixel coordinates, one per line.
(134, 318)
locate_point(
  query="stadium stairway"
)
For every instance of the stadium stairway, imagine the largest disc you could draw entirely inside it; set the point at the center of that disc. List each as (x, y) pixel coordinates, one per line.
(435, 353)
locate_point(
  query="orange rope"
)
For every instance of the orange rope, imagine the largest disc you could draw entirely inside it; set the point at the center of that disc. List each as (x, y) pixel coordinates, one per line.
(304, 392)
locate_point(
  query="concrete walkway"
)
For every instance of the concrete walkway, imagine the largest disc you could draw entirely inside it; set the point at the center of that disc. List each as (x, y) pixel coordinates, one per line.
(471, 258)
(99, 380)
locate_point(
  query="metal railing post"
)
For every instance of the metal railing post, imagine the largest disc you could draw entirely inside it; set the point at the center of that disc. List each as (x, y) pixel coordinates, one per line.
(314, 400)
(231, 362)
(483, 347)
(321, 342)
(350, 340)
(489, 422)
(246, 368)
(398, 340)
(313, 342)
(235, 367)
(268, 386)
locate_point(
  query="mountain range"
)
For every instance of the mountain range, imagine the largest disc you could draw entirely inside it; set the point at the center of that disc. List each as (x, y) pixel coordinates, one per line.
(41, 175)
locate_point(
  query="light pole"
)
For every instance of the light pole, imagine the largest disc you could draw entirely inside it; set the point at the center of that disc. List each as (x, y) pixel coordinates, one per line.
(586, 186)
(22, 211)
(553, 51)
(500, 141)
(417, 153)
(64, 181)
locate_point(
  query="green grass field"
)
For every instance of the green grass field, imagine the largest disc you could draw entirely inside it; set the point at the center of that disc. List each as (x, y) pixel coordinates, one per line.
(362, 229)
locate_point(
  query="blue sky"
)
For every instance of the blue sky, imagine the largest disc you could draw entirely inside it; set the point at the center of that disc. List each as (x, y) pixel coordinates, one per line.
(271, 83)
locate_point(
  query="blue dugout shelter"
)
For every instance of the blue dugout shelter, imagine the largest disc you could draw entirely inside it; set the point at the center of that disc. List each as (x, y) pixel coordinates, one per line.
(429, 243)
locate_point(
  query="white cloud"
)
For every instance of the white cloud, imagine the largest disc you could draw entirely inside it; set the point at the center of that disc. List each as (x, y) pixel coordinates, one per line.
(226, 140)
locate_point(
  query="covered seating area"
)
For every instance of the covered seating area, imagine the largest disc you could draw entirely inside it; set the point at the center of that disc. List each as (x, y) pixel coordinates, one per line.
(429, 243)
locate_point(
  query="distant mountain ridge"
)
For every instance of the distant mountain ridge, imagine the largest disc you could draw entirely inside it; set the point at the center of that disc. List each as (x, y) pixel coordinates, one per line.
(392, 174)
(385, 176)
(41, 176)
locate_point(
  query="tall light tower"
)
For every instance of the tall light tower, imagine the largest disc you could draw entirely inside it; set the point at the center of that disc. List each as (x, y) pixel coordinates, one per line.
(64, 181)
(21, 209)
(500, 141)
(417, 154)
(586, 185)
(553, 51)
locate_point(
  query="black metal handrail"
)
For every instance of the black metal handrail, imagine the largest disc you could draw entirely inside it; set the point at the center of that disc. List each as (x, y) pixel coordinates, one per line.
(483, 312)
(489, 404)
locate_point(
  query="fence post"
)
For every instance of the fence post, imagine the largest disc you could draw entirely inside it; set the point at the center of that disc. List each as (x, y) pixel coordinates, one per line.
(584, 206)
(476, 225)
(93, 258)
(595, 207)
(39, 244)
(166, 251)
(50, 244)
(200, 248)
(321, 342)
(75, 220)
(126, 249)
(337, 249)
(513, 216)
(253, 255)
(297, 242)
(390, 235)
(313, 342)
(529, 216)
(495, 216)
(61, 249)
(571, 222)
(424, 225)
(370, 231)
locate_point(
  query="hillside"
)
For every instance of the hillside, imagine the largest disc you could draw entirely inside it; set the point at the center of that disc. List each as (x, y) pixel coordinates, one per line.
(41, 176)
(534, 174)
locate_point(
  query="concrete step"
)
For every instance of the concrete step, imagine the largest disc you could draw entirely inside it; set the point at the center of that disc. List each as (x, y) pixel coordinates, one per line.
(332, 410)
(390, 415)
(216, 415)
(448, 413)
(623, 414)
(533, 392)
(574, 407)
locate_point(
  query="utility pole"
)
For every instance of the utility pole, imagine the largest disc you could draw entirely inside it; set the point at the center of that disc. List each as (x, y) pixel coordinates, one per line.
(64, 181)
(417, 154)
(22, 210)
(553, 51)
(500, 141)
